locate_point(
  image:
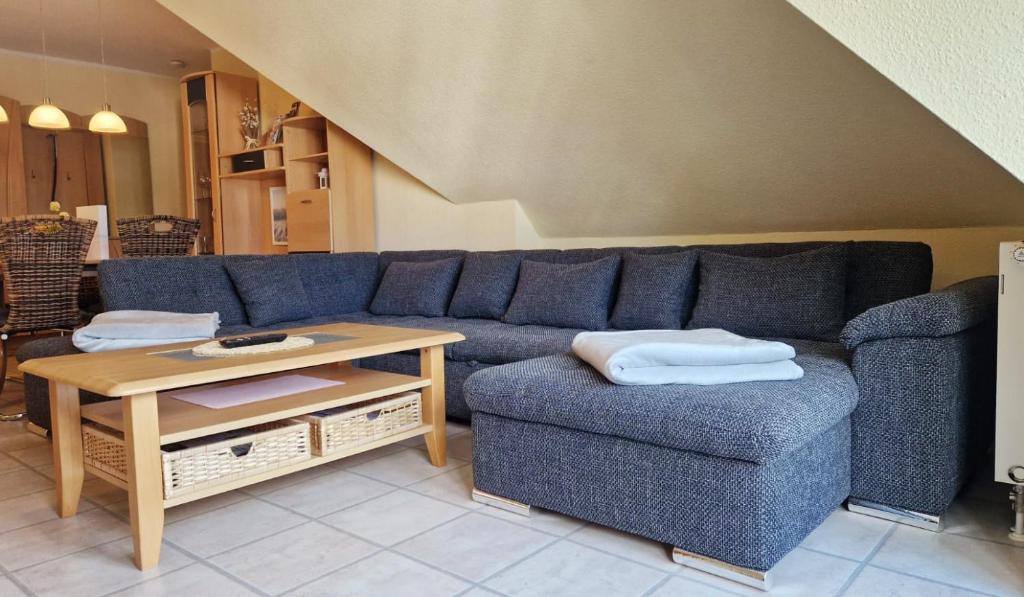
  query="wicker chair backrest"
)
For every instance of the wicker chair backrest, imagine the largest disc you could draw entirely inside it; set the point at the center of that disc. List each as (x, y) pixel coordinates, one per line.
(157, 236)
(42, 259)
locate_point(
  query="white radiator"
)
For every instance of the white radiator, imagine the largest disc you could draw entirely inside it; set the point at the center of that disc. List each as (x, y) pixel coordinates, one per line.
(1010, 364)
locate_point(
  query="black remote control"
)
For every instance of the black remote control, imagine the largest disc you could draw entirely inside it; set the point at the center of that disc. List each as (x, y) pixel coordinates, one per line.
(252, 340)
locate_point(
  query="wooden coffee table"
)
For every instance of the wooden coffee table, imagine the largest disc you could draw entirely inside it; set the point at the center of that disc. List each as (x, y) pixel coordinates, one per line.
(149, 419)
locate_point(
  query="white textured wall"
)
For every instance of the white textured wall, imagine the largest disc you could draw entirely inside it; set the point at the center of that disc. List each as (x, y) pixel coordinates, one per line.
(78, 87)
(410, 215)
(963, 59)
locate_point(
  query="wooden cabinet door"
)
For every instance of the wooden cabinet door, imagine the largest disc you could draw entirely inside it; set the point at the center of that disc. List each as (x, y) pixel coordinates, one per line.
(72, 185)
(309, 221)
(39, 160)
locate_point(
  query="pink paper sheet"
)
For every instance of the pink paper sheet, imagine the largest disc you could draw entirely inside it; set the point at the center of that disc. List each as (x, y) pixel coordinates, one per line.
(254, 391)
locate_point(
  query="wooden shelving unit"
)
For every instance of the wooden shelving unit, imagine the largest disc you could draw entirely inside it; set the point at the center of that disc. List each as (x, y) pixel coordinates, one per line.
(261, 174)
(233, 199)
(180, 420)
(339, 218)
(261, 148)
(317, 158)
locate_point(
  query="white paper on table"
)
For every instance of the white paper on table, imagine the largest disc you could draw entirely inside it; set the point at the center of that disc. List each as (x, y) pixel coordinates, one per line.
(253, 391)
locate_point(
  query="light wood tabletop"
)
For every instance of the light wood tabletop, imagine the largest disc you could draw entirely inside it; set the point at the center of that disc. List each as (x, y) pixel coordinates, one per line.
(122, 372)
(148, 417)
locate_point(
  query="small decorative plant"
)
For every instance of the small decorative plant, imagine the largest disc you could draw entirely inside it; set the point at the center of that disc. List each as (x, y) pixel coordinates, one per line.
(249, 117)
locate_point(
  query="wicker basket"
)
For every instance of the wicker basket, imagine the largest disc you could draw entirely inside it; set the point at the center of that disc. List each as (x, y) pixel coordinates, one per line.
(205, 462)
(364, 422)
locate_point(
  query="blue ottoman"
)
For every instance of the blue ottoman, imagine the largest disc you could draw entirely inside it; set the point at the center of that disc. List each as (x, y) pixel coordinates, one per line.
(732, 476)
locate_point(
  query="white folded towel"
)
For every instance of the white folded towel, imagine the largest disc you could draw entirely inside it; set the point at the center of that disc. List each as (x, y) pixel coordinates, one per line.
(115, 330)
(702, 357)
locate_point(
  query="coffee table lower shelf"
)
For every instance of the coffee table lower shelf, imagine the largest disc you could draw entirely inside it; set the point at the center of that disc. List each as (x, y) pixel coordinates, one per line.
(271, 474)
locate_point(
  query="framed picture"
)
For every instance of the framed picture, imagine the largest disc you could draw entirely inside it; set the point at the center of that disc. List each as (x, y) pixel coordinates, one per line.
(278, 216)
(294, 111)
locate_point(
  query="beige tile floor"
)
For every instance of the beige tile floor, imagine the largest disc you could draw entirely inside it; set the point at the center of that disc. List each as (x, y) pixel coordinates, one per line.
(387, 523)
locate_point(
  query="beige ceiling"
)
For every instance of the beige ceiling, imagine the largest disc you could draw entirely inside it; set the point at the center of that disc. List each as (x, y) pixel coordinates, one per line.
(138, 34)
(617, 118)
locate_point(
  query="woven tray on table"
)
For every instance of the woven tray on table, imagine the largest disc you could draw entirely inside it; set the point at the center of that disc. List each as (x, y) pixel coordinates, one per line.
(205, 462)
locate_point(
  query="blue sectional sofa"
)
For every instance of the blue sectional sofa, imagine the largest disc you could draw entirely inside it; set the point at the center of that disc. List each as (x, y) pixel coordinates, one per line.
(895, 406)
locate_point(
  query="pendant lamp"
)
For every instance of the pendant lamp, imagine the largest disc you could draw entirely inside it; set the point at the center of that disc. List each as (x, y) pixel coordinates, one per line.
(105, 121)
(47, 115)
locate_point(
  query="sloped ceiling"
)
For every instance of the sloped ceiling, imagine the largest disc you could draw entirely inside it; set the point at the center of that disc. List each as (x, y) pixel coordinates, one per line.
(615, 118)
(964, 60)
(138, 34)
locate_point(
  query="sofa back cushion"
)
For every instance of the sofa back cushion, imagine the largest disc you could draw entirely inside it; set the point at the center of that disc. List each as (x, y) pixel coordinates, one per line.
(564, 295)
(337, 283)
(389, 257)
(417, 288)
(178, 284)
(486, 285)
(878, 272)
(270, 289)
(656, 291)
(802, 295)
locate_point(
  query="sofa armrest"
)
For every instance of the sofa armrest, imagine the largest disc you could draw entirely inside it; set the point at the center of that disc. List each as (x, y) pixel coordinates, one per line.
(945, 312)
(925, 373)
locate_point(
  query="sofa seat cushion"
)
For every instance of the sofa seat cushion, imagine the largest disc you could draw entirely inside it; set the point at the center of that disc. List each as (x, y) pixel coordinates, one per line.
(755, 422)
(487, 341)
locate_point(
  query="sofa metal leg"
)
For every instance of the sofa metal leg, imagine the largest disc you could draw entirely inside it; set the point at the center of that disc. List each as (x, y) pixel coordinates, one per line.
(500, 502)
(928, 522)
(752, 578)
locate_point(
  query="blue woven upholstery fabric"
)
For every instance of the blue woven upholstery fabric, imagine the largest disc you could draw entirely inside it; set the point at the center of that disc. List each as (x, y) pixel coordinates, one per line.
(757, 422)
(918, 436)
(486, 285)
(878, 272)
(270, 289)
(656, 291)
(949, 311)
(337, 283)
(455, 375)
(37, 391)
(795, 296)
(178, 284)
(487, 341)
(389, 257)
(739, 512)
(565, 295)
(417, 288)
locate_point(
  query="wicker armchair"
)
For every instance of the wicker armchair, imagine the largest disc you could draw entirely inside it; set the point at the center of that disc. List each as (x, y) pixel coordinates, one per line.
(143, 236)
(42, 259)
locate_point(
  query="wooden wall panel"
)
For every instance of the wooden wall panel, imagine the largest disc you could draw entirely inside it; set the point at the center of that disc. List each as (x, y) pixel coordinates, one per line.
(12, 163)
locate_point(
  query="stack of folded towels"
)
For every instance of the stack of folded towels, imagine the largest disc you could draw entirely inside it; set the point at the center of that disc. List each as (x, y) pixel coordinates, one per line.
(700, 357)
(115, 330)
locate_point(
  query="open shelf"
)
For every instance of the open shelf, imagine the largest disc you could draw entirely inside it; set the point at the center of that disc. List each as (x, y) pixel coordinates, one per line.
(181, 420)
(255, 174)
(318, 158)
(306, 122)
(286, 470)
(261, 148)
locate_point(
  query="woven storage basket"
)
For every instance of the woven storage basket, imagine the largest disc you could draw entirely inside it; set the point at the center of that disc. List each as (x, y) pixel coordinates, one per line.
(263, 448)
(364, 422)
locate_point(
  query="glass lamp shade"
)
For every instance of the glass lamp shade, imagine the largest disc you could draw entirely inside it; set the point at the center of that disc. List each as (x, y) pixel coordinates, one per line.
(107, 122)
(3, 114)
(48, 116)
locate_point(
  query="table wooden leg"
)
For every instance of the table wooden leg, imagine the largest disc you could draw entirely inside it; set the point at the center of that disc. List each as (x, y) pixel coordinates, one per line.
(145, 480)
(432, 367)
(68, 468)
